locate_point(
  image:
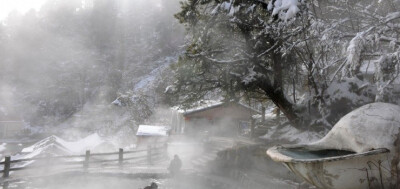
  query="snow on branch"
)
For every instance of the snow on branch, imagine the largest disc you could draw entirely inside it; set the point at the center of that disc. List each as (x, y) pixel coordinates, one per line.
(354, 52)
(392, 16)
(224, 61)
(250, 77)
(285, 9)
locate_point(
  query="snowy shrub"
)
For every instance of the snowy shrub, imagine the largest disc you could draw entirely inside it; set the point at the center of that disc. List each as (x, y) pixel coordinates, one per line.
(387, 72)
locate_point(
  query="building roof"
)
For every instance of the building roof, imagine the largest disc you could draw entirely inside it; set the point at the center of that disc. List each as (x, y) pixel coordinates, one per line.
(152, 130)
(199, 112)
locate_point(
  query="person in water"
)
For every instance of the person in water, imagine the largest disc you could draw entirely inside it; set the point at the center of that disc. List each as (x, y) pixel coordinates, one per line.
(153, 185)
(175, 165)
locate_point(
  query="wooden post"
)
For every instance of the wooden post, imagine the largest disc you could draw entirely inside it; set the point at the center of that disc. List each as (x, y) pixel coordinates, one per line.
(7, 165)
(262, 114)
(86, 163)
(294, 91)
(278, 115)
(252, 126)
(120, 157)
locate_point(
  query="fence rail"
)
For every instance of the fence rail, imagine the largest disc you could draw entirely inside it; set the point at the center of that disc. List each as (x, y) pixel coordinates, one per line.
(88, 158)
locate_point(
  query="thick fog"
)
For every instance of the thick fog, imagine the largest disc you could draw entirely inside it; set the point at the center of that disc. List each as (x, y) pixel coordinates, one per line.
(71, 58)
(80, 75)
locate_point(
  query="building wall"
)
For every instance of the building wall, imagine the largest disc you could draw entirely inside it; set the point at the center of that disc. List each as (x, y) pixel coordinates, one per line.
(143, 141)
(228, 119)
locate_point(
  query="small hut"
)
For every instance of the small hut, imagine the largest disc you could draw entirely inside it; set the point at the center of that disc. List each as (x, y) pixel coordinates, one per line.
(151, 134)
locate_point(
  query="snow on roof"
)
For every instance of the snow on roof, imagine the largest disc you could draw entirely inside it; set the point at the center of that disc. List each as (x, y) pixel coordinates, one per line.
(372, 126)
(214, 104)
(151, 130)
(205, 106)
(199, 105)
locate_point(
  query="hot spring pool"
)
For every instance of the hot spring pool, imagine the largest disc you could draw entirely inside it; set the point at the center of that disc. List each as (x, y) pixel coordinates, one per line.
(302, 153)
(110, 181)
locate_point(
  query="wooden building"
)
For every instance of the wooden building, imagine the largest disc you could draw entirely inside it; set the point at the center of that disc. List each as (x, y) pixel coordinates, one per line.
(223, 118)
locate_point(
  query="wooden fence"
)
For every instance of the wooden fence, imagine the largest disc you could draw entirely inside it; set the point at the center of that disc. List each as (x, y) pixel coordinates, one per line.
(150, 154)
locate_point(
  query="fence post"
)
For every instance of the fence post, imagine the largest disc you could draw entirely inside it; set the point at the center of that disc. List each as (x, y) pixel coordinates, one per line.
(252, 127)
(86, 163)
(7, 165)
(149, 154)
(120, 157)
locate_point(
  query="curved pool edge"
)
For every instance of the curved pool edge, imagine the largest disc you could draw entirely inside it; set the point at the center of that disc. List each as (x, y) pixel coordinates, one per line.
(277, 156)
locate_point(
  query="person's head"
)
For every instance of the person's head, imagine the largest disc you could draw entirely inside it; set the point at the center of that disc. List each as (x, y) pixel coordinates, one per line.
(154, 185)
(176, 156)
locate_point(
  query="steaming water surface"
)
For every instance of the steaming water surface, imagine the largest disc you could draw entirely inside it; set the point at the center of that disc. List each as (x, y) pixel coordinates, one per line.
(118, 181)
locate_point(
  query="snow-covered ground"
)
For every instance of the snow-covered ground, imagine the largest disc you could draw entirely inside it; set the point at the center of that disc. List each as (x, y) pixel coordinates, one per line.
(290, 134)
(148, 82)
(56, 146)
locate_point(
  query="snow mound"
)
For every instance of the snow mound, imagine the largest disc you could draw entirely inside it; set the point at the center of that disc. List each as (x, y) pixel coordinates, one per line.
(45, 143)
(58, 146)
(369, 127)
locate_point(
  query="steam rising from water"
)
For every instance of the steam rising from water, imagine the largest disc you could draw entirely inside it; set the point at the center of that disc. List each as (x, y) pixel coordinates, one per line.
(64, 64)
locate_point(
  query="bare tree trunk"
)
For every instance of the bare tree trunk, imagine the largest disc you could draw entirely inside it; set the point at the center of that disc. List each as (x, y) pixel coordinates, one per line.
(278, 98)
